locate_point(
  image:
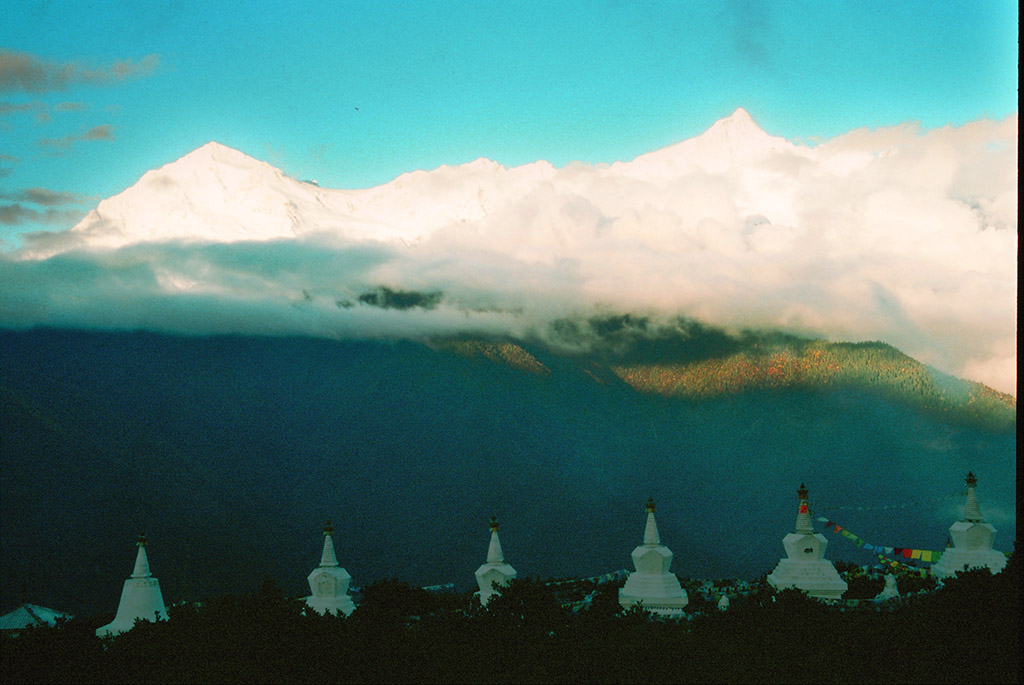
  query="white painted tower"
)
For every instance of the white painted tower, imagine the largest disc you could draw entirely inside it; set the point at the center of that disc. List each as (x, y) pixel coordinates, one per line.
(972, 540)
(652, 584)
(328, 582)
(140, 598)
(494, 570)
(805, 566)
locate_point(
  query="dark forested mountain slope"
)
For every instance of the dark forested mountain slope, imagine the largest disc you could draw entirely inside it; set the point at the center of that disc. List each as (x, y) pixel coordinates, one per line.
(231, 451)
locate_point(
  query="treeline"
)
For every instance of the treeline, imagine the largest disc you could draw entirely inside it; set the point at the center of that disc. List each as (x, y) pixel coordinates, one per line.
(872, 367)
(967, 631)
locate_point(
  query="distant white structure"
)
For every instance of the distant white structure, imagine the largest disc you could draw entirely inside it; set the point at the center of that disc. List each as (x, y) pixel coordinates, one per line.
(652, 584)
(723, 603)
(328, 582)
(890, 591)
(972, 541)
(805, 567)
(140, 598)
(494, 571)
(29, 615)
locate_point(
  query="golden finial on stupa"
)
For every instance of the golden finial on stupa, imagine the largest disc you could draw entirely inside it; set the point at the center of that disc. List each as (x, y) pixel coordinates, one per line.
(650, 505)
(801, 492)
(140, 541)
(494, 523)
(328, 528)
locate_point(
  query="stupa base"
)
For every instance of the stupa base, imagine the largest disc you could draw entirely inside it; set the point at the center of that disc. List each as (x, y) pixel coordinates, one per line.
(334, 605)
(819, 579)
(954, 560)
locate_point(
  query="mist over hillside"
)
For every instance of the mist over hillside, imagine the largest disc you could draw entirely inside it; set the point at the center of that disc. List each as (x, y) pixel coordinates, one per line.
(230, 452)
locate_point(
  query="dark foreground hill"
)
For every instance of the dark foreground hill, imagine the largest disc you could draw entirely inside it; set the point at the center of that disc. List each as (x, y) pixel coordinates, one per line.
(230, 452)
(966, 632)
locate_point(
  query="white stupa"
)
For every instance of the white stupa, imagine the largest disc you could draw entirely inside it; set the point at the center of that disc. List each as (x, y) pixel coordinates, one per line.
(805, 567)
(652, 584)
(494, 570)
(328, 582)
(890, 591)
(972, 541)
(140, 597)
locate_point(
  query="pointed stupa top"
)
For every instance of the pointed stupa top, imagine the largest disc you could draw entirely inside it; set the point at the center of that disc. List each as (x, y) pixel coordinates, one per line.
(494, 553)
(141, 560)
(972, 511)
(803, 513)
(328, 558)
(651, 536)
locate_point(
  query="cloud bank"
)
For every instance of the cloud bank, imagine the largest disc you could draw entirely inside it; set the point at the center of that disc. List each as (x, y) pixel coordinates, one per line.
(896, 234)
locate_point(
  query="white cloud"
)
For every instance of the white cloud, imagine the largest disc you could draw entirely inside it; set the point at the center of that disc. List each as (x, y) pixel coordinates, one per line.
(895, 234)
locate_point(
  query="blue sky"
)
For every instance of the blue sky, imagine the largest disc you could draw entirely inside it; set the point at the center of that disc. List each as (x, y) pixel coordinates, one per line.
(356, 93)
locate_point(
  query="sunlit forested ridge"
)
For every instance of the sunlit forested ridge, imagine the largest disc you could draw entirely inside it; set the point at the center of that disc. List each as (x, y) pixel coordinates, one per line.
(872, 367)
(684, 359)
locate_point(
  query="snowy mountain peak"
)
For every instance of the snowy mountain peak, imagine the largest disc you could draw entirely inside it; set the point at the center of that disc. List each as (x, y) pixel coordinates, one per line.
(213, 193)
(737, 130)
(729, 143)
(216, 193)
(738, 125)
(214, 155)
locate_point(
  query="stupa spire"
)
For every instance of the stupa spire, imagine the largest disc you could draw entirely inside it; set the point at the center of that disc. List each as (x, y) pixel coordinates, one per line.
(328, 558)
(803, 513)
(651, 536)
(972, 510)
(494, 553)
(141, 569)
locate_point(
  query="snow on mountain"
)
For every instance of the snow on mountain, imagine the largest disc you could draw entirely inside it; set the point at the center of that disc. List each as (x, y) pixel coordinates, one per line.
(217, 194)
(730, 142)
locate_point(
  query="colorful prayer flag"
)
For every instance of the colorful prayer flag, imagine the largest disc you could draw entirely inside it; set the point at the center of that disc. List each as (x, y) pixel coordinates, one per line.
(915, 554)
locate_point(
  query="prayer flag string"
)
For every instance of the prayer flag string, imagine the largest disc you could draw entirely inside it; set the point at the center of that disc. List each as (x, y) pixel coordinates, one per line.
(883, 552)
(895, 564)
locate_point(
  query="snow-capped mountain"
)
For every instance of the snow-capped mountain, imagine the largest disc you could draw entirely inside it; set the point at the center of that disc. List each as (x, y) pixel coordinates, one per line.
(219, 194)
